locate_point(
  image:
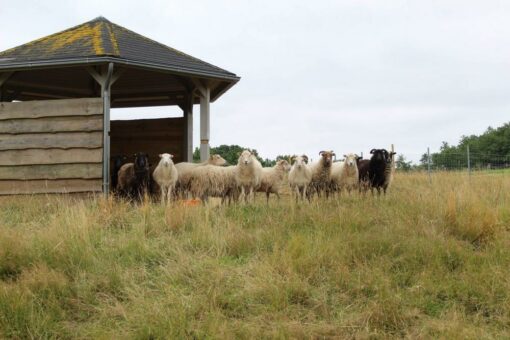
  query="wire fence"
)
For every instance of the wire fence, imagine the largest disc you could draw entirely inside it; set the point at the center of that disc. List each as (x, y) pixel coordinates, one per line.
(468, 161)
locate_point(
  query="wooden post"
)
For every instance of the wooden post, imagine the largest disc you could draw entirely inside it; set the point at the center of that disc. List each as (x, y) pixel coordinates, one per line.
(105, 90)
(187, 147)
(204, 123)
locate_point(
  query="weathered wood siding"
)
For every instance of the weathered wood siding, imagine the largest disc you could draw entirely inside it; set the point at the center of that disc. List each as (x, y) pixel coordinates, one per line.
(51, 146)
(153, 136)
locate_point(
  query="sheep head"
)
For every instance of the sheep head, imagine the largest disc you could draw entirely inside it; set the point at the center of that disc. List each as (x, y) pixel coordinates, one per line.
(327, 157)
(381, 155)
(283, 164)
(351, 159)
(245, 158)
(217, 160)
(141, 162)
(166, 159)
(299, 161)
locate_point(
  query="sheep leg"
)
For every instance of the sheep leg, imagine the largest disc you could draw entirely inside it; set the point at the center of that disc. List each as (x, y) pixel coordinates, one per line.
(243, 194)
(251, 195)
(162, 195)
(267, 197)
(169, 195)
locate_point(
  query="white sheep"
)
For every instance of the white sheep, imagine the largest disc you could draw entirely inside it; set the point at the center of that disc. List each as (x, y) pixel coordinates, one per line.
(248, 174)
(321, 174)
(389, 171)
(272, 178)
(300, 176)
(165, 175)
(185, 172)
(344, 175)
(214, 181)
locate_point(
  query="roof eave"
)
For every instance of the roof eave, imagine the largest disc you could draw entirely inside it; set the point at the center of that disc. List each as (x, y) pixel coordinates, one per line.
(225, 89)
(41, 64)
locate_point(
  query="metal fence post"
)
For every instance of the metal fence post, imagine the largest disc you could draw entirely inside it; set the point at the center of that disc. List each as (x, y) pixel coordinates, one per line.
(428, 164)
(468, 162)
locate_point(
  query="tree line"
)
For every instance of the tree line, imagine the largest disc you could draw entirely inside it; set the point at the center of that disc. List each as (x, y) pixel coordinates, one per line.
(491, 149)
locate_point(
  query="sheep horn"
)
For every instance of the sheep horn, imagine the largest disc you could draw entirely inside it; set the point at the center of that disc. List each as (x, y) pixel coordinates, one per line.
(372, 151)
(320, 153)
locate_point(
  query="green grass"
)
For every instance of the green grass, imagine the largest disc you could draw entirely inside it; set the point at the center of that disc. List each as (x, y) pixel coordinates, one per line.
(427, 261)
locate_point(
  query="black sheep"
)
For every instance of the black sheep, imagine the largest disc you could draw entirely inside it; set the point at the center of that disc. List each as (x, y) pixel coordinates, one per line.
(379, 169)
(363, 166)
(135, 178)
(117, 162)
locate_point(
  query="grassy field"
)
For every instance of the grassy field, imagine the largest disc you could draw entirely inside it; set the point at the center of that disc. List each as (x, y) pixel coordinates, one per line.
(425, 261)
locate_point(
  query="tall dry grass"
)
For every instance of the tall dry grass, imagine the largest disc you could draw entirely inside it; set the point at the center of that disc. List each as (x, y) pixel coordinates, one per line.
(425, 261)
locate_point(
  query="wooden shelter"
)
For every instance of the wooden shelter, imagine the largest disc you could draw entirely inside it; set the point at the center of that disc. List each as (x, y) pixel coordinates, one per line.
(55, 98)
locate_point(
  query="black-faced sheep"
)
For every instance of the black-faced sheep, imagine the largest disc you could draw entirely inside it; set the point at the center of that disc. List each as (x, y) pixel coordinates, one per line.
(379, 170)
(363, 181)
(134, 178)
(117, 162)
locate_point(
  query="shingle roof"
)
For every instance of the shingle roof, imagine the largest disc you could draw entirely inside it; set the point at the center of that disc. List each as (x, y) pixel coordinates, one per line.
(99, 39)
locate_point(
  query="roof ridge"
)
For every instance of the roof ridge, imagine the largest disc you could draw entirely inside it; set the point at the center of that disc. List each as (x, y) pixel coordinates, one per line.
(112, 38)
(170, 48)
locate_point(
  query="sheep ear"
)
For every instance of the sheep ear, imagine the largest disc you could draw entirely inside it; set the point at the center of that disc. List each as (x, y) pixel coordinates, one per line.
(160, 155)
(372, 151)
(171, 156)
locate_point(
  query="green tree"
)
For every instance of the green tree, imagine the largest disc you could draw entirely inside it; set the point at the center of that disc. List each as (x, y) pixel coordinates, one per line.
(491, 147)
(402, 164)
(231, 154)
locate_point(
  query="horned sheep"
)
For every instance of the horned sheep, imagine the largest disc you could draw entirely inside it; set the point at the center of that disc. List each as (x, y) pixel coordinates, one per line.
(321, 174)
(300, 176)
(379, 171)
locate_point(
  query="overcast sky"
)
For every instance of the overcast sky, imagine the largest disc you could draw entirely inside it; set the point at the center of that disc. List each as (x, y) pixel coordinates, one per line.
(342, 75)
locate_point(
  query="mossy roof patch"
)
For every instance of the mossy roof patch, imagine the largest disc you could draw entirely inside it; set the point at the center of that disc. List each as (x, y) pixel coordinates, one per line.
(98, 38)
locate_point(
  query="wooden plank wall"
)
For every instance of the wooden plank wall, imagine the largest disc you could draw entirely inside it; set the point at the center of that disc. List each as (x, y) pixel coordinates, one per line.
(153, 136)
(51, 146)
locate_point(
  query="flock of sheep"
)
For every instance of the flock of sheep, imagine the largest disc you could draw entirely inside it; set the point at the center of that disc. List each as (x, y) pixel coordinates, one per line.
(241, 181)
